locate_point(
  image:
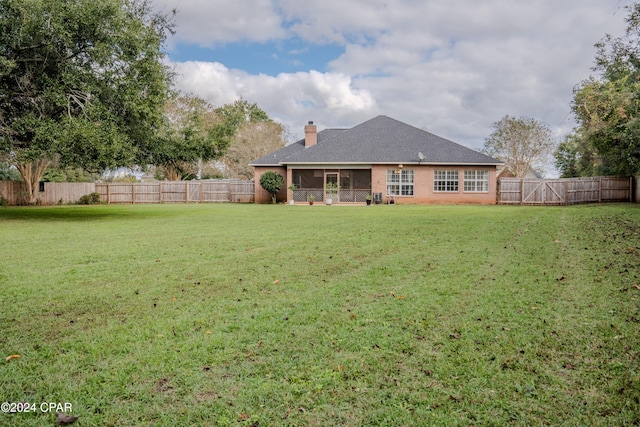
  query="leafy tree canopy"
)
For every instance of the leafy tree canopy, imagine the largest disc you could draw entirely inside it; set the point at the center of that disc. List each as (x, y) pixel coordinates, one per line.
(254, 135)
(193, 131)
(241, 111)
(523, 144)
(81, 82)
(252, 141)
(607, 107)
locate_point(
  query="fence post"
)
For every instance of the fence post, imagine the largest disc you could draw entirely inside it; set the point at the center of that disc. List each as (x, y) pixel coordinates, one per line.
(566, 192)
(108, 193)
(522, 191)
(600, 190)
(201, 191)
(186, 191)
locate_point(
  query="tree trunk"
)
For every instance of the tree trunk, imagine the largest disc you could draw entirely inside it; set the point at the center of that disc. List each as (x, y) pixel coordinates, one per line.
(173, 174)
(32, 172)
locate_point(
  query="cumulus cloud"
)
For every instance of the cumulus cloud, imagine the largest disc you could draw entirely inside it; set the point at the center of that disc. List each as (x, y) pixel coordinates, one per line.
(208, 24)
(292, 98)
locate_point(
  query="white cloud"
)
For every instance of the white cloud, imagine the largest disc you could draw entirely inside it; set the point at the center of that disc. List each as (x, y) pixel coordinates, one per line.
(292, 99)
(210, 23)
(452, 67)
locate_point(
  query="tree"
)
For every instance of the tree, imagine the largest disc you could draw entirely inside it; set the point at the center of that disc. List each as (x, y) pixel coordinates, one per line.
(240, 112)
(523, 144)
(255, 135)
(252, 141)
(575, 157)
(68, 174)
(607, 107)
(81, 82)
(193, 131)
(272, 182)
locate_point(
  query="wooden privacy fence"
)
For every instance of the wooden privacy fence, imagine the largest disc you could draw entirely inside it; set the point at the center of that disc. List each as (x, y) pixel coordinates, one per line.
(220, 191)
(49, 193)
(566, 191)
(210, 191)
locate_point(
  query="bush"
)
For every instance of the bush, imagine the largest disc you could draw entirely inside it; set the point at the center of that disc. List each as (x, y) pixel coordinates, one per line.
(90, 199)
(272, 182)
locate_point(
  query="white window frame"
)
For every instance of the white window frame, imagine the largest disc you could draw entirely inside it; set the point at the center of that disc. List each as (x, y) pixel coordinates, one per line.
(476, 181)
(446, 181)
(400, 182)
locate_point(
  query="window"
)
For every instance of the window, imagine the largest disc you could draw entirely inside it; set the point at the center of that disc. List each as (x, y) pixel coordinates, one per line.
(308, 178)
(446, 180)
(399, 182)
(475, 181)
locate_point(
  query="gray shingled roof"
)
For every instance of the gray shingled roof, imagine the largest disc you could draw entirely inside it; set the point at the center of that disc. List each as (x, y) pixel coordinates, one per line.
(379, 140)
(275, 158)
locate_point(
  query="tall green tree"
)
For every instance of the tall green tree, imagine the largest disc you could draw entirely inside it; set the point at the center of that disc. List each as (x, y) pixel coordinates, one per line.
(607, 107)
(254, 135)
(523, 144)
(576, 157)
(193, 131)
(240, 112)
(81, 82)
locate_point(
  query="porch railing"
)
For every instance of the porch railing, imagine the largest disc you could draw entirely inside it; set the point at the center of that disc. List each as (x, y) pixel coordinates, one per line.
(344, 196)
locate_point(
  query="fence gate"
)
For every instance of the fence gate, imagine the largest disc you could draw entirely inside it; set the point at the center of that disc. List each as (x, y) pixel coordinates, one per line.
(543, 192)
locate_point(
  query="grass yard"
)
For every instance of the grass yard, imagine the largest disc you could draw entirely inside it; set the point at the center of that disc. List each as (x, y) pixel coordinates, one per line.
(254, 315)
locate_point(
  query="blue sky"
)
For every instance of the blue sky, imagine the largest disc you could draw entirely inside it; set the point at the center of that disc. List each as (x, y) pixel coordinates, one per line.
(271, 58)
(453, 68)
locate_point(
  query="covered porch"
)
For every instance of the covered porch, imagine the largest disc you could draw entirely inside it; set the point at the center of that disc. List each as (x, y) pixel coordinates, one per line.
(353, 184)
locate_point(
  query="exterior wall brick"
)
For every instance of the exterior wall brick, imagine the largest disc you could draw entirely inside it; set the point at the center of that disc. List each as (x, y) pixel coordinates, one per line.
(423, 185)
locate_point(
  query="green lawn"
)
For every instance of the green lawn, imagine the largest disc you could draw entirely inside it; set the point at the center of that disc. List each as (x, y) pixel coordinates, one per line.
(259, 315)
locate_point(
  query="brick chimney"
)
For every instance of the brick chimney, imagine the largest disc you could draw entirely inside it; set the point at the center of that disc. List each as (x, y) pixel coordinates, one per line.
(310, 135)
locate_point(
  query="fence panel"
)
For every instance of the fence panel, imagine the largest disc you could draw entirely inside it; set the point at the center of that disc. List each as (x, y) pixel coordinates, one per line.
(564, 191)
(173, 191)
(241, 191)
(217, 191)
(616, 189)
(65, 192)
(116, 192)
(509, 190)
(208, 191)
(583, 190)
(147, 192)
(11, 191)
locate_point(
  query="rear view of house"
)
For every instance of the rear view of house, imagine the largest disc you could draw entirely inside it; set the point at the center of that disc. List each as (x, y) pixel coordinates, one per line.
(382, 157)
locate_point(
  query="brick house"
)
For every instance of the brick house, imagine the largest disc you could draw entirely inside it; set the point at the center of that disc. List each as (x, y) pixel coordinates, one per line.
(382, 157)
